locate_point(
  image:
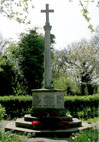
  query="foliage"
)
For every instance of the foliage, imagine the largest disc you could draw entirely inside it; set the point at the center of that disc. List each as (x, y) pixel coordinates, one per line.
(85, 13)
(80, 62)
(9, 137)
(14, 56)
(82, 106)
(66, 83)
(19, 10)
(15, 104)
(84, 64)
(86, 136)
(2, 112)
(16, 9)
(27, 57)
(93, 120)
(7, 76)
(77, 106)
(3, 45)
(32, 58)
(2, 62)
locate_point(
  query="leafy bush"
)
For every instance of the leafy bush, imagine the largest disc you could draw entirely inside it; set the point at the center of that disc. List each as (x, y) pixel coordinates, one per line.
(16, 106)
(2, 112)
(82, 106)
(86, 136)
(93, 120)
(9, 137)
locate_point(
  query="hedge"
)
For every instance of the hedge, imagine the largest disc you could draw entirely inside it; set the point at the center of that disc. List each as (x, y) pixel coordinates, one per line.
(16, 106)
(77, 106)
(82, 106)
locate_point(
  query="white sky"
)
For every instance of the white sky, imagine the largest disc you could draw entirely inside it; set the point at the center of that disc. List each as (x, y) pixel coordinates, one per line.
(68, 24)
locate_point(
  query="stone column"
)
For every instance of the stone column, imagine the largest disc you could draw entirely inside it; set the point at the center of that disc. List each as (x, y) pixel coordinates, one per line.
(47, 57)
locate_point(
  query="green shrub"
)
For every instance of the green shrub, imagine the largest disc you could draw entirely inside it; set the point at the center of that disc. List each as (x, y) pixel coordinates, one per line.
(16, 106)
(9, 137)
(93, 120)
(82, 106)
(2, 112)
(86, 136)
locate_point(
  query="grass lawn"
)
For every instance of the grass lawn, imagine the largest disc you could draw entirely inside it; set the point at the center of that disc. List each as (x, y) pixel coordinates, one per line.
(93, 120)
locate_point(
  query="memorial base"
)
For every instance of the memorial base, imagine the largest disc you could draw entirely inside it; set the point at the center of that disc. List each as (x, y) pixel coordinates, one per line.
(47, 99)
(25, 126)
(48, 112)
(47, 117)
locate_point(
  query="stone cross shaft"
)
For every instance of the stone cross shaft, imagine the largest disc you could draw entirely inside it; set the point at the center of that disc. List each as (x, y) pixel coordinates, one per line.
(47, 57)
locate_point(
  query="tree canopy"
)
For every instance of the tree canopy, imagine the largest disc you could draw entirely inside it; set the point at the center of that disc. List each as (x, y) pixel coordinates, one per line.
(7, 76)
(19, 10)
(27, 57)
(16, 9)
(80, 62)
(32, 58)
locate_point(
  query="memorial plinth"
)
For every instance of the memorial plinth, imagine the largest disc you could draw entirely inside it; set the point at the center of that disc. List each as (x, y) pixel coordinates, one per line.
(47, 98)
(47, 101)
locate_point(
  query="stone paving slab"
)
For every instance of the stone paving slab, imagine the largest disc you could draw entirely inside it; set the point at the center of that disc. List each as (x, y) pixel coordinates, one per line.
(3, 123)
(48, 140)
(95, 125)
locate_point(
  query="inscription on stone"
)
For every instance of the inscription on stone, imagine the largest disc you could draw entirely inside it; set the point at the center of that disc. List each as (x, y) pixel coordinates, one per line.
(49, 101)
(37, 100)
(60, 100)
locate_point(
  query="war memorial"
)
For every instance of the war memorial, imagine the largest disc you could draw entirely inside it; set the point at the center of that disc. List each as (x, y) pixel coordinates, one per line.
(48, 116)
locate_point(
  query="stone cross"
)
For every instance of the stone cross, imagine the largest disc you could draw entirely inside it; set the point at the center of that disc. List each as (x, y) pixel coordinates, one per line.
(47, 57)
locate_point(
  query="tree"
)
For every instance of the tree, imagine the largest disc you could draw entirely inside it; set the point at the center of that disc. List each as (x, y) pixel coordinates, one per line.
(3, 44)
(85, 13)
(19, 10)
(14, 56)
(83, 60)
(84, 6)
(27, 59)
(62, 75)
(16, 9)
(32, 58)
(7, 76)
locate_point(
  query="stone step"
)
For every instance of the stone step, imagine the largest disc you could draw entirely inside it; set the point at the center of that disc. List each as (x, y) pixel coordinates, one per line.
(66, 132)
(51, 125)
(28, 117)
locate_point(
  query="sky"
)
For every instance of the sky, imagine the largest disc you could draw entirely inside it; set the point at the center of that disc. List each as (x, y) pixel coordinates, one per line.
(68, 24)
